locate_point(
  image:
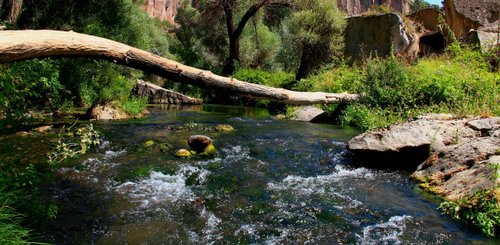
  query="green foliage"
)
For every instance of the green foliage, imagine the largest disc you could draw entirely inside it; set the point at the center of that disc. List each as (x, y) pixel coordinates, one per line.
(334, 80)
(458, 82)
(481, 210)
(277, 79)
(83, 139)
(29, 85)
(117, 89)
(313, 36)
(11, 231)
(79, 81)
(258, 45)
(274, 79)
(134, 106)
(24, 181)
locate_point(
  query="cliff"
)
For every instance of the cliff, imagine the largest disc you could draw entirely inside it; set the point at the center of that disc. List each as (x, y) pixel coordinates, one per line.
(355, 7)
(162, 9)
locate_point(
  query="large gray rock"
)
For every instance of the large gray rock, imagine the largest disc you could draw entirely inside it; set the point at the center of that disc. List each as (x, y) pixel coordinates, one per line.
(159, 95)
(376, 34)
(455, 154)
(306, 113)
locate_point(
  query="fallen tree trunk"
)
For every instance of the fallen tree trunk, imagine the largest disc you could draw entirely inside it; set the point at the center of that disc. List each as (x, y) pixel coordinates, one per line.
(29, 44)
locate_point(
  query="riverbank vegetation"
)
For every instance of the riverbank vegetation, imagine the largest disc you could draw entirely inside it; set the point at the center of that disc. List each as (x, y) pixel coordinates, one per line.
(290, 45)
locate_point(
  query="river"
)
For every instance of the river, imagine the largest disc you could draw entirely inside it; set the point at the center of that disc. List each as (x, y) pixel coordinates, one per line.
(272, 182)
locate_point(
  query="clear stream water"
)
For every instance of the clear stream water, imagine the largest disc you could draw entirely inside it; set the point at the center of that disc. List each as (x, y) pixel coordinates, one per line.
(273, 182)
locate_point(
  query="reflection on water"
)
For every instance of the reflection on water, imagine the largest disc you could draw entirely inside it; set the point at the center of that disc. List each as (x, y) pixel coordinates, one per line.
(273, 182)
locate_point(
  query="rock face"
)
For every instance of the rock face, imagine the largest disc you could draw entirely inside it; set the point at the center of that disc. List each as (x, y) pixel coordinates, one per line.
(355, 7)
(480, 16)
(457, 152)
(159, 95)
(376, 35)
(162, 9)
(431, 38)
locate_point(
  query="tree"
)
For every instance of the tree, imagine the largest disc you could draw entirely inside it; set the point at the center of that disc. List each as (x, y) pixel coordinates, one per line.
(315, 34)
(234, 31)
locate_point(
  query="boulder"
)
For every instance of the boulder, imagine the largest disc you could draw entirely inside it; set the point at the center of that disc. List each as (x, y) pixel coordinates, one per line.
(480, 17)
(450, 156)
(199, 143)
(183, 153)
(159, 95)
(376, 34)
(107, 111)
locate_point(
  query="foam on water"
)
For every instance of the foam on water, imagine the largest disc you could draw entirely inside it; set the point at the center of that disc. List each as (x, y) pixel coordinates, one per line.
(160, 187)
(319, 184)
(385, 233)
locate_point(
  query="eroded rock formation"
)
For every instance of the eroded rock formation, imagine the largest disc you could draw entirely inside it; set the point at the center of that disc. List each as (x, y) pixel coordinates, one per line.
(474, 21)
(162, 9)
(355, 7)
(376, 34)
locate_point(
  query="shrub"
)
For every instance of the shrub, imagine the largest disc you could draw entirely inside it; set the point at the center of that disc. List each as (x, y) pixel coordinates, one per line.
(28, 85)
(334, 80)
(481, 210)
(134, 106)
(274, 79)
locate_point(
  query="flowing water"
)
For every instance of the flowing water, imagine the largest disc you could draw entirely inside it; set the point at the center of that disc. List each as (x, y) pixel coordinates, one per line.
(273, 182)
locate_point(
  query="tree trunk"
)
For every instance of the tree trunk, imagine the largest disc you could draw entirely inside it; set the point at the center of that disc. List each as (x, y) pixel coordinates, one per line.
(234, 56)
(22, 45)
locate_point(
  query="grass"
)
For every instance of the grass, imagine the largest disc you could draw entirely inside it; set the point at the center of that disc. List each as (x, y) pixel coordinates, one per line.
(11, 231)
(460, 82)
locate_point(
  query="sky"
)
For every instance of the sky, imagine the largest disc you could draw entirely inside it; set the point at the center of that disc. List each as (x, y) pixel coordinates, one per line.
(438, 2)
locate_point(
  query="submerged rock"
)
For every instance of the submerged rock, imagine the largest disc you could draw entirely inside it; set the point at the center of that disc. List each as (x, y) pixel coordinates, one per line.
(183, 153)
(43, 129)
(453, 155)
(224, 128)
(199, 143)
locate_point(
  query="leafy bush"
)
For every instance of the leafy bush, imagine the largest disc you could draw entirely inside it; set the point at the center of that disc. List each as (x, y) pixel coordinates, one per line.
(458, 82)
(481, 210)
(334, 80)
(134, 106)
(273, 79)
(28, 85)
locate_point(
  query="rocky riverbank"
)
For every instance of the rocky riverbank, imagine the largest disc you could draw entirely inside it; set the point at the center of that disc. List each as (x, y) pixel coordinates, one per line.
(452, 157)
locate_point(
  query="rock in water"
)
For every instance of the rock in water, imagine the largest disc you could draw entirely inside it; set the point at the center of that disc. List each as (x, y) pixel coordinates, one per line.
(183, 153)
(108, 111)
(306, 113)
(199, 143)
(454, 156)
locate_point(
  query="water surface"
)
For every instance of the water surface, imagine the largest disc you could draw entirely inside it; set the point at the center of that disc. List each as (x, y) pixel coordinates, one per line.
(273, 182)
